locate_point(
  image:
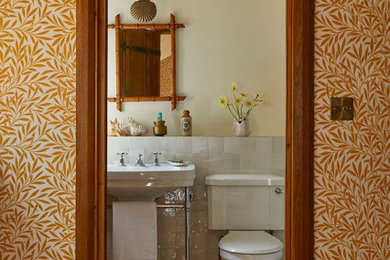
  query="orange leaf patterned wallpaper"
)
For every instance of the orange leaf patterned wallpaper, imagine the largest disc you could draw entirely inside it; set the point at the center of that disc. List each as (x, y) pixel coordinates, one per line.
(37, 129)
(352, 165)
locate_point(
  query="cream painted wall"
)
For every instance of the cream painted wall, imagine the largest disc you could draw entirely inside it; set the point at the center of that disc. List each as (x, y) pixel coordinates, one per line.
(224, 41)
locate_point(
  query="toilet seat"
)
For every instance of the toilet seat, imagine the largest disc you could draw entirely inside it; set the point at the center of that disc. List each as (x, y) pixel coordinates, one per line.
(250, 243)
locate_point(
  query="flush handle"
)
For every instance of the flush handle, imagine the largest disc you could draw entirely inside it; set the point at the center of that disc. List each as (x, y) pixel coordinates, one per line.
(279, 191)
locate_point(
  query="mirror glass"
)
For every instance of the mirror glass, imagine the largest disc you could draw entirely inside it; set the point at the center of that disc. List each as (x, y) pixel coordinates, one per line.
(145, 61)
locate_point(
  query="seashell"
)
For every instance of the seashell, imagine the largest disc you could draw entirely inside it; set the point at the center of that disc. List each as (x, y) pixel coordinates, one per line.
(137, 129)
(143, 10)
(127, 127)
(113, 128)
(124, 130)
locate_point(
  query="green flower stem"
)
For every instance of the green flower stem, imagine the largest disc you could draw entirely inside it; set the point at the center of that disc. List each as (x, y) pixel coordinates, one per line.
(235, 109)
(231, 112)
(238, 111)
(250, 110)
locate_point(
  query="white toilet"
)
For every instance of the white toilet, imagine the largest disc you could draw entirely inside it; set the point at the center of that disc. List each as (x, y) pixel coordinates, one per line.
(247, 205)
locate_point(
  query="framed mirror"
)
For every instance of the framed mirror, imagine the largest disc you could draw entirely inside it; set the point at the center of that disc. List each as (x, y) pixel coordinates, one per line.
(145, 62)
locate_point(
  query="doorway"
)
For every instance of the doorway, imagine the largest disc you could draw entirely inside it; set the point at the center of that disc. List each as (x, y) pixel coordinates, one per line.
(91, 130)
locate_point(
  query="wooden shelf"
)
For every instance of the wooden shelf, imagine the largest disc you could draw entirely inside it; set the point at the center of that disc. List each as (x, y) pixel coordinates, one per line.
(145, 99)
(155, 26)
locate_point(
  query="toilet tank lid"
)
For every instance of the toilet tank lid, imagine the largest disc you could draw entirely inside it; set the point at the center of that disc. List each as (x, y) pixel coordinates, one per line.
(250, 242)
(244, 180)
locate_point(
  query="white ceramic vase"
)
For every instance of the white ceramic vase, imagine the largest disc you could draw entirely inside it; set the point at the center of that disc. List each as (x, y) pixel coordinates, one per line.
(242, 129)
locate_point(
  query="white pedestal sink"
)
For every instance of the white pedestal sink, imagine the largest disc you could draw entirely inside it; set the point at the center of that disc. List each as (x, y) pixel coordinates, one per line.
(147, 183)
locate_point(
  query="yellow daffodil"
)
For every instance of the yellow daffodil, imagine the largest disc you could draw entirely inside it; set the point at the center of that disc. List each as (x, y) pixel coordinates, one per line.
(241, 105)
(233, 88)
(237, 101)
(248, 103)
(223, 102)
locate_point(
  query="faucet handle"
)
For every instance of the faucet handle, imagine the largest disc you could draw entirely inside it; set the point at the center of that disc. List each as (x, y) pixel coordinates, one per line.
(122, 159)
(156, 154)
(122, 154)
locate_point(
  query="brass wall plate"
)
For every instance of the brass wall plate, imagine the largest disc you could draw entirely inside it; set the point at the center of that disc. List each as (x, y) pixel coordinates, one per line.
(341, 108)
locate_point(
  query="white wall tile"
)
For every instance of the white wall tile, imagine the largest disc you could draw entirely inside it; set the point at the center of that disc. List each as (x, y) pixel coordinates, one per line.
(184, 145)
(247, 145)
(280, 172)
(263, 144)
(200, 175)
(248, 161)
(231, 145)
(253, 171)
(110, 151)
(278, 144)
(165, 156)
(201, 160)
(264, 162)
(231, 161)
(278, 161)
(216, 163)
(110, 158)
(184, 157)
(117, 145)
(168, 144)
(216, 154)
(216, 144)
(168, 148)
(152, 144)
(136, 145)
(200, 144)
(132, 158)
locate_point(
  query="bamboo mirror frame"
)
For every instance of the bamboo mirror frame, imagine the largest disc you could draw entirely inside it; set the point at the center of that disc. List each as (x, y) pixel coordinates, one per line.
(170, 27)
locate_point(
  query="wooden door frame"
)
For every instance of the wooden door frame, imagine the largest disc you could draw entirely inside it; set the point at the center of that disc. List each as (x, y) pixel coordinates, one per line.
(299, 211)
(91, 130)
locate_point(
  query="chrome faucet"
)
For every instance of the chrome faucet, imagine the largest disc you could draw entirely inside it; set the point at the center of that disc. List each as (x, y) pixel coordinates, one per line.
(140, 162)
(122, 159)
(156, 162)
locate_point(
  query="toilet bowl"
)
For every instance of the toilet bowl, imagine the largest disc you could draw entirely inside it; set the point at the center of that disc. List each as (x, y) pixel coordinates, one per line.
(250, 245)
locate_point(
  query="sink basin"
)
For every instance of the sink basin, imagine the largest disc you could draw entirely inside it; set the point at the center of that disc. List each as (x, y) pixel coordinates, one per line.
(147, 183)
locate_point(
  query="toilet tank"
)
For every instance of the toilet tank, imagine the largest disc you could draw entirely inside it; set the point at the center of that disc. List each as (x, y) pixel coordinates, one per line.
(245, 202)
